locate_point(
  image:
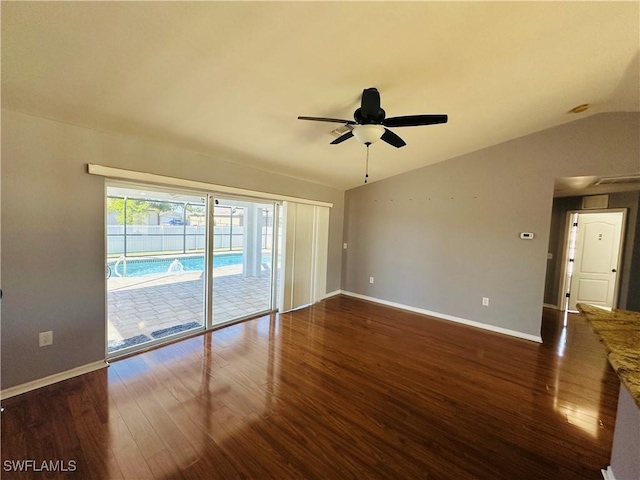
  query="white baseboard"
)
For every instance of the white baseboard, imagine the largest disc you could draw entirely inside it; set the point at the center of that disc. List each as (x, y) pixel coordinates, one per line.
(333, 294)
(464, 321)
(548, 305)
(51, 379)
(608, 474)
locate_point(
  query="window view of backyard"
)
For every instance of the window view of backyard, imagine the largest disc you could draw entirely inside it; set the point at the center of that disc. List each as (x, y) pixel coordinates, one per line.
(156, 275)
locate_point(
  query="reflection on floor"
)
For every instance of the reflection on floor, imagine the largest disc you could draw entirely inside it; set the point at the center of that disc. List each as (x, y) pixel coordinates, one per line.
(342, 389)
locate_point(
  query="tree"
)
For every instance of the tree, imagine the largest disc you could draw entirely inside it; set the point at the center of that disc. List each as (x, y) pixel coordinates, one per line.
(137, 210)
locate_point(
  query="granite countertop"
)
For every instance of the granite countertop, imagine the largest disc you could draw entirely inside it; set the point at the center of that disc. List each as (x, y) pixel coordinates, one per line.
(619, 330)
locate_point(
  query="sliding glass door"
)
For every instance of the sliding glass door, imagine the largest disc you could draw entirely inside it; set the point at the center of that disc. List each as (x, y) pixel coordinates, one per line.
(159, 245)
(243, 244)
(155, 266)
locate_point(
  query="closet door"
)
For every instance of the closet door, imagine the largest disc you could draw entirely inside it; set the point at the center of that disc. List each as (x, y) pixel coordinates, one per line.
(306, 234)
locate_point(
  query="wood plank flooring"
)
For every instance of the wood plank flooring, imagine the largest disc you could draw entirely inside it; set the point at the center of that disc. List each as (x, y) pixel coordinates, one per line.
(344, 389)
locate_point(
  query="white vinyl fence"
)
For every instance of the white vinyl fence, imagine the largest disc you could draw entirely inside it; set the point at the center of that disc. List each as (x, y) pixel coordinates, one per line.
(161, 239)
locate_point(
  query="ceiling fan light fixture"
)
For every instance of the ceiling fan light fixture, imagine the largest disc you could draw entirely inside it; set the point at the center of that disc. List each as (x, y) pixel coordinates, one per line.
(370, 123)
(368, 134)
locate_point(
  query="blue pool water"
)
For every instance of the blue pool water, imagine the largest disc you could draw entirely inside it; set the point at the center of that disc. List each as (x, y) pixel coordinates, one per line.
(148, 266)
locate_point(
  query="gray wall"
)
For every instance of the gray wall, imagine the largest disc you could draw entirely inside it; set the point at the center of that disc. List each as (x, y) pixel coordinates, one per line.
(630, 268)
(633, 291)
(442, 237)
(630, 263)
(53, 234)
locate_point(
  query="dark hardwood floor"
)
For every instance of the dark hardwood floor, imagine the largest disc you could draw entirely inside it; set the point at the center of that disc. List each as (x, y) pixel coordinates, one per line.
(344, 389)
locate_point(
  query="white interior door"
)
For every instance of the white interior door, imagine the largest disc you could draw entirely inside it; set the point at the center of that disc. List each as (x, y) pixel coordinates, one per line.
(597, 257)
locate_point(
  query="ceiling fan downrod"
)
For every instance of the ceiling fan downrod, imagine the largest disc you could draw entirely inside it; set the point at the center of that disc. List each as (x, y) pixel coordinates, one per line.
(366, 168)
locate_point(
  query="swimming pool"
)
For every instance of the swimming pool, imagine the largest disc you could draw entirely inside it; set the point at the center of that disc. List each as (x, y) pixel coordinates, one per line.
(150, 266)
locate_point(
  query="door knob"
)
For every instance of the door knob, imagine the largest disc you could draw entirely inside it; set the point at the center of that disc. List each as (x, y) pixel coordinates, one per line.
(613, 270)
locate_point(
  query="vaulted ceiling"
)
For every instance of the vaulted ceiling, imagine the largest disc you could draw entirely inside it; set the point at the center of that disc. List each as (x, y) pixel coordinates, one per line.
(228, 79)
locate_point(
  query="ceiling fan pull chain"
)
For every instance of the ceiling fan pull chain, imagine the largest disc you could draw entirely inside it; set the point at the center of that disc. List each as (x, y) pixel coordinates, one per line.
(366, 171)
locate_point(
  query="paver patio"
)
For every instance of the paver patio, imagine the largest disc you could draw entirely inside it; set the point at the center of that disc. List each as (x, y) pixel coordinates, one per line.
(149, 305)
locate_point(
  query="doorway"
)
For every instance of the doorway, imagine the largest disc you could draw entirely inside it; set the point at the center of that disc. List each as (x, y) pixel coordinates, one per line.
(592, 258)
(179, 262)
(292, 266)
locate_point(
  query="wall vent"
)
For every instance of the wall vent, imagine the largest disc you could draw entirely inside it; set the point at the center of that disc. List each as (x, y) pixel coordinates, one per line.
(624, 179)
(595, 201)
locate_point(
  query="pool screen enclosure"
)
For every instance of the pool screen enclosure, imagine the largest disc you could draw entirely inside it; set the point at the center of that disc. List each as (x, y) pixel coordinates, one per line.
(178, 262)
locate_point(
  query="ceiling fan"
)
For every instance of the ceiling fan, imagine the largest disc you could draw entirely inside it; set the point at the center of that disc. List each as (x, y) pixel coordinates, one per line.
(370, 125)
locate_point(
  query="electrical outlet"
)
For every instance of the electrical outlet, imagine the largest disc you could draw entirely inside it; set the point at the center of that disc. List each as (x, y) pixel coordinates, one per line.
(344, 246)
(485, 301)
(371, 279)
(46, 338)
